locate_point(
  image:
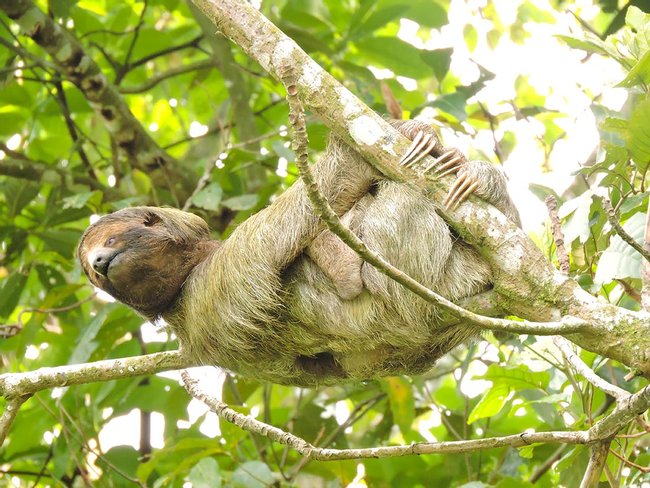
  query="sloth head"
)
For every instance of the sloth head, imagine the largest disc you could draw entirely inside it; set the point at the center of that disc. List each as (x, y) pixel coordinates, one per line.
(143, 255)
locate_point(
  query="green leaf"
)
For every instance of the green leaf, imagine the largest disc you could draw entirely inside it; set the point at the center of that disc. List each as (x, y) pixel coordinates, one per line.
(242, 202)
(18, 193)
(637, 19)
(124, 458)
(427, 13)
(592, 45)
(86, 344)
(439, 60)
(471, 37)
(81, 200)
(455, 103)
(526, 452)
(638, 139)
(400, 399)
(490, 404)
(63, 241)
(639, 74)
(141, 181)
(378, 19)
(518, 377)
(529, 12)
(12, 288)
(205, 474)
(541, 191)
(253, 474)
(399, 56)
(209, 197)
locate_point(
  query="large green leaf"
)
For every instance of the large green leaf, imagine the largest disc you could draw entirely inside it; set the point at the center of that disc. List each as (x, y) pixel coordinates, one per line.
(400, 399)
(396, 55)
(253, 474)
(10, 292)
(638, 140)
(205, 474)
(490, 403)
(518, 378)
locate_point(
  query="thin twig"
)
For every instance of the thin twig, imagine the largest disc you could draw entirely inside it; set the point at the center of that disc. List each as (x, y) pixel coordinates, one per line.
(307, 449)
(613, 220)
(136, 33)
(180, 70)
(145, 59)
(19, 325)
(588, 373)
(491, 120)
(558, 236)
(72, 129)
(643, 469)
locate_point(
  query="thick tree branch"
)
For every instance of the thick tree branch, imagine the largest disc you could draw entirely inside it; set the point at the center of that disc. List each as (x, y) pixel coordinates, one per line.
(626, 410)
(527, 283)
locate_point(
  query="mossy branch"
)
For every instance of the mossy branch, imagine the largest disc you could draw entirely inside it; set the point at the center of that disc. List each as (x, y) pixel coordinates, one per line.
(529, 286)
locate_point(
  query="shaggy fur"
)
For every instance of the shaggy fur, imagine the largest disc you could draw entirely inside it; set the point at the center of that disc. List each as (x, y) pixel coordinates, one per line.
(257, 304)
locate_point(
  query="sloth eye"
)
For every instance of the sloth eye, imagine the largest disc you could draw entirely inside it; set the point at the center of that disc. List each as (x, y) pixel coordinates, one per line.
(109, 242)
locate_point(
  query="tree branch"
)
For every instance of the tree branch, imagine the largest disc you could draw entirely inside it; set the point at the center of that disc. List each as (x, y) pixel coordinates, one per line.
(280, 436)
(528, 284)
(624, 412)
(9, 415)
(327, 214)
(15, 385)
(39, 171)
(180, 70)
(588, 373)
(613, 220)
(597, 460)
(558, 237)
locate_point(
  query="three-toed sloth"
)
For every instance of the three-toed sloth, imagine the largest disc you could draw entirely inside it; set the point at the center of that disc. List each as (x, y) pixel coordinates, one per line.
(282, 299)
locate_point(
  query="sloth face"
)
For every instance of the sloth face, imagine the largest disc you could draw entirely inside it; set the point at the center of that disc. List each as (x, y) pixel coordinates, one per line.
(142, 256)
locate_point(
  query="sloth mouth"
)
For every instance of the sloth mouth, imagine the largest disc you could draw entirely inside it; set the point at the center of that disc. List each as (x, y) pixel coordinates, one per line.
(113, 265)
(104, 264)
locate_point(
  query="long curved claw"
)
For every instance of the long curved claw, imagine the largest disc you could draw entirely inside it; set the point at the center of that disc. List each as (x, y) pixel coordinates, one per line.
(409, 151)
(451, 160)
(462, 188)
(421, 146)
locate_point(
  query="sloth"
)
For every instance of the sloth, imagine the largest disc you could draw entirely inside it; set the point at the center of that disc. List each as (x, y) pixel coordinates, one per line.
(282, 299)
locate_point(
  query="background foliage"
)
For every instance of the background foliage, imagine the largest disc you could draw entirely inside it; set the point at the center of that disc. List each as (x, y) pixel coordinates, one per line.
(222, 121)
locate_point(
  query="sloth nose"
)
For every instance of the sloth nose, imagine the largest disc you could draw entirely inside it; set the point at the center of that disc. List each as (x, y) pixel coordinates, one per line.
(101, 259)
